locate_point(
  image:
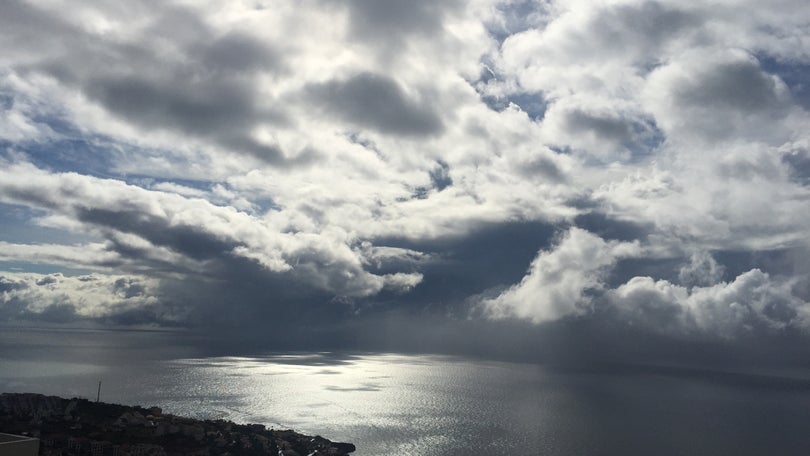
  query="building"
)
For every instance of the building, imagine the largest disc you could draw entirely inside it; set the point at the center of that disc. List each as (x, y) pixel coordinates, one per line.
(18, 445)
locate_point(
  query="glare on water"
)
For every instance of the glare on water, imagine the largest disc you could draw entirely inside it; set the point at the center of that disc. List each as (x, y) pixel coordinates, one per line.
(433, 405)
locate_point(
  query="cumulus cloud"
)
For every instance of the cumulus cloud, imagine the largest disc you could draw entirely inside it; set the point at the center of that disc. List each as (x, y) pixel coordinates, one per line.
(702, 270)
(610, 132)
(752, 303)
(140, 224)
(59, 298)
(559, 280)
(729, 87)
(569, 280)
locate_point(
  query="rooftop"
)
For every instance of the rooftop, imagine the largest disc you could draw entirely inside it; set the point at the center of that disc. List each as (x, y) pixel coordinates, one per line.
(10, 438)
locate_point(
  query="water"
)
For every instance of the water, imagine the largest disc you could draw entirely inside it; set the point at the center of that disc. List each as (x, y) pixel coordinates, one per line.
(424, 405)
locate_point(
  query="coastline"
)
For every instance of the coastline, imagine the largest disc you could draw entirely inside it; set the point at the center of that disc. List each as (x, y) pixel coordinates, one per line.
(77, 427)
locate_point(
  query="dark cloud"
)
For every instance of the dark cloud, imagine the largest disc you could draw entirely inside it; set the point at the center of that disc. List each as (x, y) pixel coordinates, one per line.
(189, 240)
(129, 288)
(608, 227)
(237, 53)
(208, 91)
(601, 133)
(221, 110)
(609, 128)
(7, 284)
(146, 316)
(141, 254)
(24, 23)
(270, 308)
(378, 102)
(798, 162)
(391, 20)
(197, 108)
(544, 168)
(638, 135)
(58, 313)
(645, 26)
(488, 256)
(739, 85)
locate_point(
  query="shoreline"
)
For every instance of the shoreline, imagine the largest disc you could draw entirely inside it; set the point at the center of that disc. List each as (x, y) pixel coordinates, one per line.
(78, 427)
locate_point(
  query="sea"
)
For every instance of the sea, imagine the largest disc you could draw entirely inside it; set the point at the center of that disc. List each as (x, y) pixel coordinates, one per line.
(420, 404)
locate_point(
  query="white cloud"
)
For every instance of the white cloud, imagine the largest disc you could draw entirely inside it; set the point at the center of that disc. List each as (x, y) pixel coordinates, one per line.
(93, 255)
(569, 280)
(120, 298)
(149, 226)
(752, 302)
(558, 280)
(702, 270)
(718, 95)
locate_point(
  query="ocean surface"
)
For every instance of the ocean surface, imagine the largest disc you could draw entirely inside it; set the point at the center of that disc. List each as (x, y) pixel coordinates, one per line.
(394, 404)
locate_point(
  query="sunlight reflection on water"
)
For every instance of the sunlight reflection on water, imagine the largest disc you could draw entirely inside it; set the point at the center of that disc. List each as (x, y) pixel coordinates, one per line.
(440, 405)
(383, 403)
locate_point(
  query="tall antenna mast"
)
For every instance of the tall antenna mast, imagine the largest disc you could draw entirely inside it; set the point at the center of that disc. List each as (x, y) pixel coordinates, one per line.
(98, 395)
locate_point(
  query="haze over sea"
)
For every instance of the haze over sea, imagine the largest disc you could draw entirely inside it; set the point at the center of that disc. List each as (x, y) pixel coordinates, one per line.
(425, 404)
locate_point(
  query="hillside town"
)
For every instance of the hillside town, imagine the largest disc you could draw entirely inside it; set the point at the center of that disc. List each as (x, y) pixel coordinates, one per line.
(79, 427)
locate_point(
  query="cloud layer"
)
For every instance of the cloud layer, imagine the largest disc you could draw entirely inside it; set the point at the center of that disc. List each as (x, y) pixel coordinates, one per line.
(633, 166)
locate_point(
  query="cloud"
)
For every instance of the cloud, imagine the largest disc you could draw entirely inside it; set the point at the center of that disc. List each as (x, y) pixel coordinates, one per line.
(747, 306)
(608, 133)
(209, 93)
(391, 170)
(371, 20)
(728, 87)
(610, 42)
(558, 280)
(92, 255)
(140, 225)
(569, 281)
(107, 298)
(702, 270)
(798, 161)
(375, 101)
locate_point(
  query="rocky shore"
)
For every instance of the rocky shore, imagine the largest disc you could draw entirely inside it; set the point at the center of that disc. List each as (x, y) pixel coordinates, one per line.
(78, 427)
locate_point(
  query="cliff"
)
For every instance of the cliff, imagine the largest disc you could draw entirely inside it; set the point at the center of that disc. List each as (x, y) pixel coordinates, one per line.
(78, 427)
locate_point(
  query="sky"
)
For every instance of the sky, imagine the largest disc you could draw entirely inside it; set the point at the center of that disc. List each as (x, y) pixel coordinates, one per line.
(550, 180)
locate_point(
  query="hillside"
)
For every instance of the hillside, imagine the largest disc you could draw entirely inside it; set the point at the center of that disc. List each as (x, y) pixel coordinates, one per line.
(77, 427)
